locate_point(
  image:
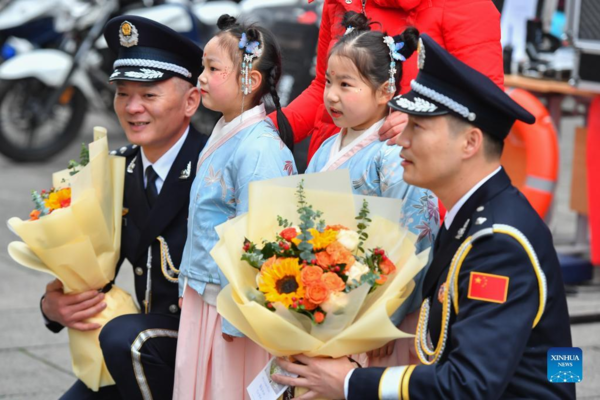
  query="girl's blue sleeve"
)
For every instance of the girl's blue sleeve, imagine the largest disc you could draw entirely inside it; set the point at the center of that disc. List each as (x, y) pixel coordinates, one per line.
(262, 159)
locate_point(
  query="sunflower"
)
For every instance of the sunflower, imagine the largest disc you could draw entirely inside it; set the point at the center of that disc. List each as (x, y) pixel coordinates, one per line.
(320, 240)
(282, 281)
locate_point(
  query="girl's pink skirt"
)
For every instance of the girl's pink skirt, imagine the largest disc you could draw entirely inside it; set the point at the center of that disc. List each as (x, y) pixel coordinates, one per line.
(208, 367)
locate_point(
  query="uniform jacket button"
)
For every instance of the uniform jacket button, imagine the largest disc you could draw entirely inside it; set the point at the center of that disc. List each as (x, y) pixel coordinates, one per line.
(139, 271)
(173, 308)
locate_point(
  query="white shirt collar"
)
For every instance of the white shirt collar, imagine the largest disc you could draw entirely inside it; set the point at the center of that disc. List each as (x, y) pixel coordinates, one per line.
(452, 213)
(162, 166)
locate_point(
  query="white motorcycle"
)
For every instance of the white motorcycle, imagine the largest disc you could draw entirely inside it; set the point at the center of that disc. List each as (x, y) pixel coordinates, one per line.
(45, 93)
(25, 25)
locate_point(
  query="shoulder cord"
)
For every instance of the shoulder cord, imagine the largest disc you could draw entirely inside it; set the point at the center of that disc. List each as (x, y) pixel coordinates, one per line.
(166, 266)
(166, 263)
(422, 345)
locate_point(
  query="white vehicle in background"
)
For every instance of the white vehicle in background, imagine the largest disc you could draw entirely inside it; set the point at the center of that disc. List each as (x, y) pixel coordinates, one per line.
(26, 25)
(45, 93)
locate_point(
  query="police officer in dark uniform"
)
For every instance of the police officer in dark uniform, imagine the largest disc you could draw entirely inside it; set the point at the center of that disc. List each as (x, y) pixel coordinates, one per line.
(156, 74)
(494, 297)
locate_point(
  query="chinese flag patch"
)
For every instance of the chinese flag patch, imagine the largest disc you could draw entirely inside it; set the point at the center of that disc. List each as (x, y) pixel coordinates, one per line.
(488, 287)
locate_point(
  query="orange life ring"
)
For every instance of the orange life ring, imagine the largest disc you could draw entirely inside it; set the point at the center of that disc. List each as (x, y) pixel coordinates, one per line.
(530, 154)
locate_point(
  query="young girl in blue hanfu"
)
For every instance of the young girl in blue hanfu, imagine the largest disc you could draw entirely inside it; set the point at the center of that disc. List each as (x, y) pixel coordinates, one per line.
(241, 66)
(363, 70)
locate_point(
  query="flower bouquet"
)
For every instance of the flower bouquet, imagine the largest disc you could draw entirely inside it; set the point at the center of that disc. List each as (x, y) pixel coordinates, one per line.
(299, 285)
(74, 234)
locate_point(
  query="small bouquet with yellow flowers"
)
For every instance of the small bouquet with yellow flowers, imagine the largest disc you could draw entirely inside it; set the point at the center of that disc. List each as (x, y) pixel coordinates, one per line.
(54, 199)
(46, 202)
(298, 285)
(74, 234)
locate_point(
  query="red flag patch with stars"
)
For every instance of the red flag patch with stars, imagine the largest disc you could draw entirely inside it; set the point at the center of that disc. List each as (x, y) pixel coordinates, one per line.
(488, 287)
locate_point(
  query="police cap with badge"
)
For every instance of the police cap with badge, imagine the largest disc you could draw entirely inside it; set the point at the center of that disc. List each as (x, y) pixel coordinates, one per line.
(445, 85)
(479, 340)
(148, 51)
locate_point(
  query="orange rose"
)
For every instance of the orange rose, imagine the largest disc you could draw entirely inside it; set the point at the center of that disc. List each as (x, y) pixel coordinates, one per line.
(382, 279)
(333, 282)
(387, 266)
(308, 305)
(288, 234)
(340, 255)
(316, 292)
(323, 259)
(319, 317)
(311, 274)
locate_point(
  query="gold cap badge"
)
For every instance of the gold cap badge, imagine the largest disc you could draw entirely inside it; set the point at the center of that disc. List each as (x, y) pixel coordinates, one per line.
(128, 34)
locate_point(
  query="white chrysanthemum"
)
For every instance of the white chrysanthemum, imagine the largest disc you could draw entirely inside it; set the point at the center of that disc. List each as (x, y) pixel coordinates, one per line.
(356, 271)
(336, 302)
(349, 239)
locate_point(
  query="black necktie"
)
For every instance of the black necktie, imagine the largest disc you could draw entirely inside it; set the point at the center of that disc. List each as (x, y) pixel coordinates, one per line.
(151, 192)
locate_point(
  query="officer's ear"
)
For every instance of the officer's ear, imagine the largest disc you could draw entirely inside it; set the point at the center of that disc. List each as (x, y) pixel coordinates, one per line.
(472, 142)
(192, 101)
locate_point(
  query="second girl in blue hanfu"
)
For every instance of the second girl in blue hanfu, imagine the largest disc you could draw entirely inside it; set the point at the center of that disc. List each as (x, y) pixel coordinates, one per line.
(362, 72)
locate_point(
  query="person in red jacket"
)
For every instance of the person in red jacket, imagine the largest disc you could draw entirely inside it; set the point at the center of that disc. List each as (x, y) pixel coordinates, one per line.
(468, 29)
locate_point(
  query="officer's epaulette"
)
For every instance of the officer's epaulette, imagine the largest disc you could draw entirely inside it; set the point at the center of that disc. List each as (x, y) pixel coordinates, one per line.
(126, 151)
(482, 218)
(483, 226)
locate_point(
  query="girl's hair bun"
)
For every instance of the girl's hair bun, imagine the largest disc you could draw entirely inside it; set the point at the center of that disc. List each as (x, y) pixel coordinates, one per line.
(253, 34)
(356, 20)
(226, 21)
(410, 37)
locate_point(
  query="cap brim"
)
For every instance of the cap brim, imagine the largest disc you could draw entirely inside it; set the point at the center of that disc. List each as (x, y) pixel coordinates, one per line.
(416, 104)
(140, 74)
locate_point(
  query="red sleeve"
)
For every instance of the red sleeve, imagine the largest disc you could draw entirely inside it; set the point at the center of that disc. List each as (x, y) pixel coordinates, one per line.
(324, 129)
(302, 112)
(471, 32)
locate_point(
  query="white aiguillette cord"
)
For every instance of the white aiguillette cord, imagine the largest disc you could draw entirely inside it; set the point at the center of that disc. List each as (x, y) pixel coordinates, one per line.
(148, 282)
(166, 266)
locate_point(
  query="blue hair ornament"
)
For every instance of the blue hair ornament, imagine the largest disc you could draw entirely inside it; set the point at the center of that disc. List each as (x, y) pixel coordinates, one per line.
(394, 56)
(251, 50)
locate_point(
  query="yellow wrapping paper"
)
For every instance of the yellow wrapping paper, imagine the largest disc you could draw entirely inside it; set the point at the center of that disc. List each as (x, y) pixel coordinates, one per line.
(283, 333)
(80, 246)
